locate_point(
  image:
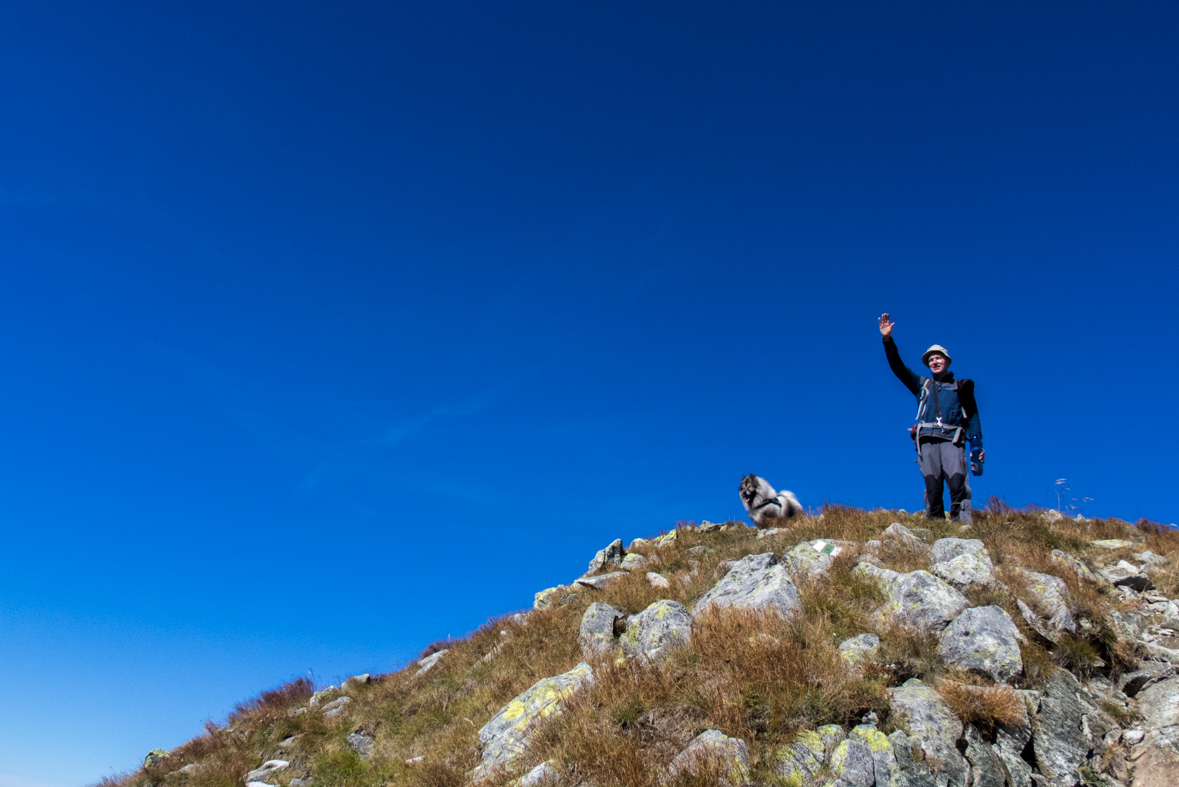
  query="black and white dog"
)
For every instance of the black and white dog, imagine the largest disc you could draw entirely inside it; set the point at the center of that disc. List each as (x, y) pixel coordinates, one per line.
(764, 504)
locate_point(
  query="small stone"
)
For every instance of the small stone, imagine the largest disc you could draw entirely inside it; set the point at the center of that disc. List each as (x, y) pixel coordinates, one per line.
(633, 562)
(657, 580)
(812, 559)
(832, 735)
(544, 599)
(859, 650)
(426, 664)
(155, 757)
(1076, 566)
(1133, 737)
(268, 767)
(773, 531)
(541, 776)
(361, 743)
(931, 725)
(336, 707)
(899, 532)
(301, 782)
(1150, 558)
(602, 580)
(1112, 543)
(731, 754)
(917, 599)
(192, 767)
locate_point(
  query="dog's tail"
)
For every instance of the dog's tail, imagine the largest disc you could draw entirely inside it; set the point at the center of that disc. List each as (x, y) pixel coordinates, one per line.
(790, 505)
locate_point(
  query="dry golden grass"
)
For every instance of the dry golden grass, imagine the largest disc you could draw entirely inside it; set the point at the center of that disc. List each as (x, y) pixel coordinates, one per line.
(981, 705)
(753, 676)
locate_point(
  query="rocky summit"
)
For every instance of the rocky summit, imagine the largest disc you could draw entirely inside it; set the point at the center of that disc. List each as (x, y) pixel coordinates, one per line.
(850, 649)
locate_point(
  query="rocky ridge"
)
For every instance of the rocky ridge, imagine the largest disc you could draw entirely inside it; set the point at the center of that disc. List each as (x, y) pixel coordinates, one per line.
(1077, 650)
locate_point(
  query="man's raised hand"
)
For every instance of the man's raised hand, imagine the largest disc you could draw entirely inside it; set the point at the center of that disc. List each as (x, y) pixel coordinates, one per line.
(886, 325)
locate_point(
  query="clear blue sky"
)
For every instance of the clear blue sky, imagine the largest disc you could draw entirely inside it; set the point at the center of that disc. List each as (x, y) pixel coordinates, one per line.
(327, 330)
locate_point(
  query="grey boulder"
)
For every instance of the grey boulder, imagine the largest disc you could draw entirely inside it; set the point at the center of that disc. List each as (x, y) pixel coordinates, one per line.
(916, 600)
(657, 630)
(1156, 755)
(596, 636)
(1059, 739)
(982, 639)
(505, 737)
(965, 571)
(931, 726)
(754, 582)
(1052, 596)
(610, 555)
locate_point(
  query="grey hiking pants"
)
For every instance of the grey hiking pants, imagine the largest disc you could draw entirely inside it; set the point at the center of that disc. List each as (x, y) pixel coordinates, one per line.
(945, 463)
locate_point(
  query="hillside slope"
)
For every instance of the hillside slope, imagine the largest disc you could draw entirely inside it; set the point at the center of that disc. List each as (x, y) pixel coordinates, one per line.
(856, 648)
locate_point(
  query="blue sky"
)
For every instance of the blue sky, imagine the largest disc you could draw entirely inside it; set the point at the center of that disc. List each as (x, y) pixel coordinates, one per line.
(328, 330)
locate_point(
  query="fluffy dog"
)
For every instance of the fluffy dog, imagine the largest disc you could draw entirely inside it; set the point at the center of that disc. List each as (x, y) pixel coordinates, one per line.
(764, 504)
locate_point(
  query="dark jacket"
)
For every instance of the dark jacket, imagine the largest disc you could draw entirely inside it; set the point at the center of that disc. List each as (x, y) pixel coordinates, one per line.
(957, 408)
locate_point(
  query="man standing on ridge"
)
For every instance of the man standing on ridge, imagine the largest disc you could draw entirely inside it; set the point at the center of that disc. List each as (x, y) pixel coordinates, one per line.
(947, 418)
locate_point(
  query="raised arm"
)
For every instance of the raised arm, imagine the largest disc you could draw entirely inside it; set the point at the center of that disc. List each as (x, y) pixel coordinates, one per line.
(903, 373)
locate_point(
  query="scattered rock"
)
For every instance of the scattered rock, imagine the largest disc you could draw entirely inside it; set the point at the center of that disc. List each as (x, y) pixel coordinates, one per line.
(982, 639)
(657, 630)
(547, 597)
(426, 664)
(1011, 741)
(336, 707)
(1150, 558)
(1052, 595)
(859, 650)
(797, 762)
(192, 767)
(602, 580)
(1076, 566)
(356, 680)
(633, 562)
(931, 726)
(1112, 543)
(754, 582)
(1052, 515)
(267, 768)
(812, 559)
(713, 746)
(966, 570)
(596, 636)
(361, 743)
(612, 555)
(1060, 745)
(301, 782)
(851, 763)
(917, 600)
(946, 549)
(542, 775)
(884, 762)
(505, 737)
(899, 532)
(773, 531)
(657, 580)
(155, 757)
(1156, 755)
(1122, 570)
(832, 735)
(986, 766)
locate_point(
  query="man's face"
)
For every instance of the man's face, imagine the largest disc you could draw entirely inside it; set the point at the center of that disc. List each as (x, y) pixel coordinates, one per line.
(938, 363)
